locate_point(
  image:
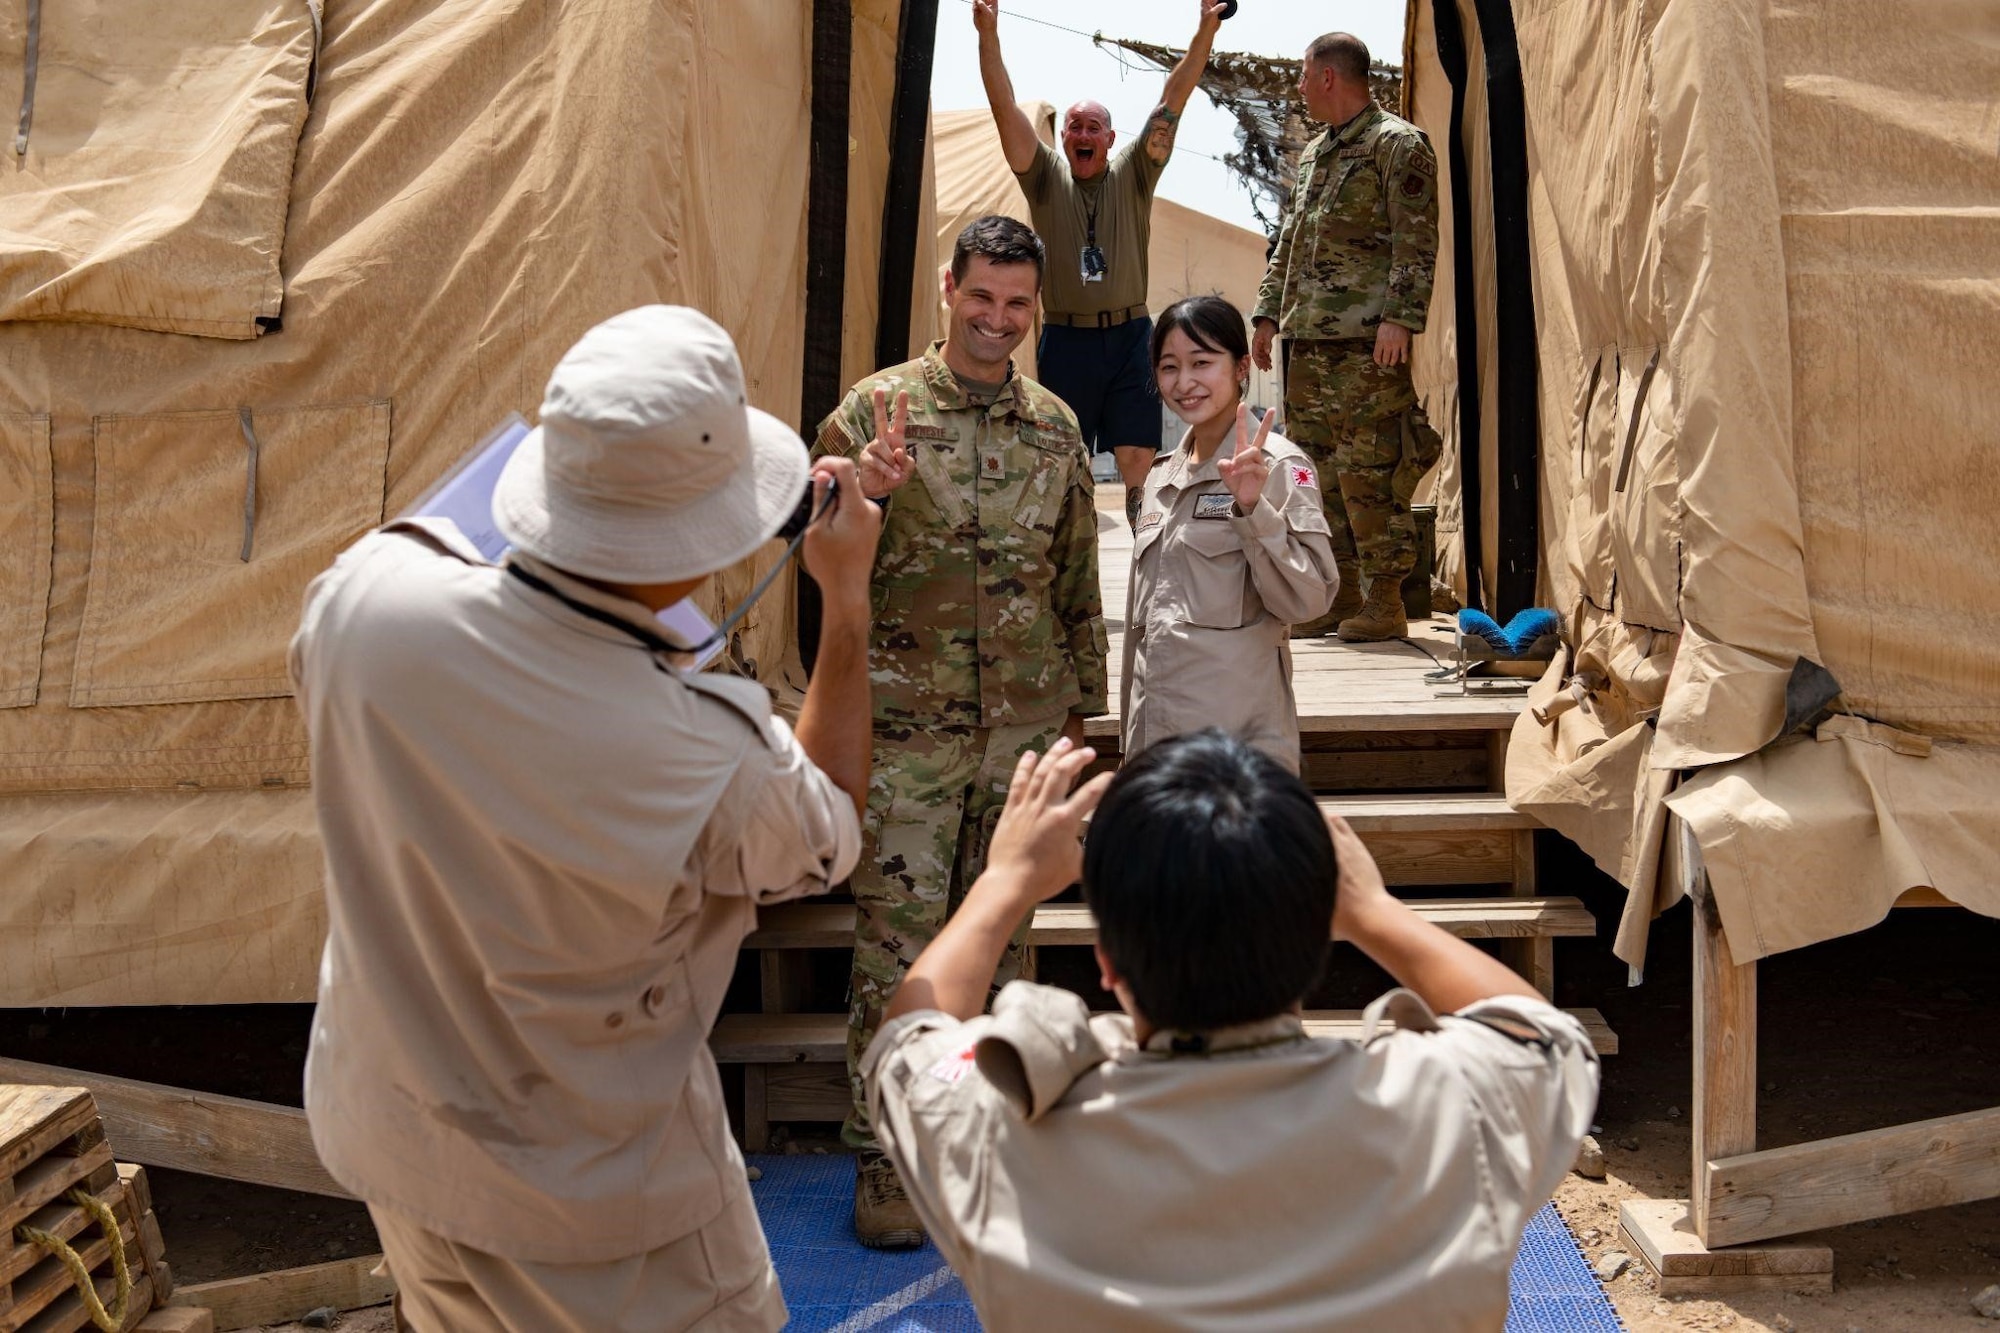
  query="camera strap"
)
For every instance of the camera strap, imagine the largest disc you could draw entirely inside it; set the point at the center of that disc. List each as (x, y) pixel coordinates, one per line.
(660, 643)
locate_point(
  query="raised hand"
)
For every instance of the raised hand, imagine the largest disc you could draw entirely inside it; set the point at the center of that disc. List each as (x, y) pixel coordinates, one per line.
(1212, 14)
(1248, 467)
(1037, 847)
(986, 16)
(885, 461)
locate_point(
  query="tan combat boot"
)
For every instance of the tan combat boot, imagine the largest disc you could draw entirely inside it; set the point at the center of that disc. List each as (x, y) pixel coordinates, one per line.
(883, 1217)
(1381, 616)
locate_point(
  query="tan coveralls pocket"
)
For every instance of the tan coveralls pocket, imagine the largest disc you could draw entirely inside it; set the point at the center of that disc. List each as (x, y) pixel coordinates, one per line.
(1218, 576)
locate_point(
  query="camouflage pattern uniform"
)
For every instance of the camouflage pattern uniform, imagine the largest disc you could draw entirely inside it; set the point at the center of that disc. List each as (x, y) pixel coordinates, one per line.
(1358, 247)
(988, 633)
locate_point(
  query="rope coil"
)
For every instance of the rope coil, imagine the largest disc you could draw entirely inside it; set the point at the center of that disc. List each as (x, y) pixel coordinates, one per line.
(108, 1320)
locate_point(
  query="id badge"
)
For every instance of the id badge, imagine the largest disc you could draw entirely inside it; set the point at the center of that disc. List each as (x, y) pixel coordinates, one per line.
(1092, 265)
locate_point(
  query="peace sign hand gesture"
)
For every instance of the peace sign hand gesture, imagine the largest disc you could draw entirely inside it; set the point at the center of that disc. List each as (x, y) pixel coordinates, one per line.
(1248, 467)
(885, 461)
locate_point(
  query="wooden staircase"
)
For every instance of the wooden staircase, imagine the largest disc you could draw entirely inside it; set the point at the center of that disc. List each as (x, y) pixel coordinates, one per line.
(1417, 775)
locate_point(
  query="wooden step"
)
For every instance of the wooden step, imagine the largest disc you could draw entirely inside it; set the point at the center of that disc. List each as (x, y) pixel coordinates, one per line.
(1421, 710)
(831, 925)
(822, 1038)
(1437, 812)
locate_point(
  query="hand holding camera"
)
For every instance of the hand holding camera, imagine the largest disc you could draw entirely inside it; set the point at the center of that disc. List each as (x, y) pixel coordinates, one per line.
(840, 544)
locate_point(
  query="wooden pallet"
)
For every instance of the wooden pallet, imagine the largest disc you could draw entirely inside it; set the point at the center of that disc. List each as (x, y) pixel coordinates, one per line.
(52, 1142)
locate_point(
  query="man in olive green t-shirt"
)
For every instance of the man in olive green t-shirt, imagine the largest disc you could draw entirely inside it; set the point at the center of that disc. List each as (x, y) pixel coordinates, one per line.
(1094, 214)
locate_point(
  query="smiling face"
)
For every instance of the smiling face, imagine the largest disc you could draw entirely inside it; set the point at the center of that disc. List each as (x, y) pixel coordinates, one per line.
(1198, 382)
(1087, 139)
(992, 308)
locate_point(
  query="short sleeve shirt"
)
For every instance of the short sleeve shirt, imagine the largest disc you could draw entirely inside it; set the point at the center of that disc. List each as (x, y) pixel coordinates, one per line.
(1274, 1181)
(1061, 207)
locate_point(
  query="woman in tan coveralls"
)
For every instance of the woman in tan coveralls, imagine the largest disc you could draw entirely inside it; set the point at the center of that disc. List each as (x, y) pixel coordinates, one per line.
(1230, 550)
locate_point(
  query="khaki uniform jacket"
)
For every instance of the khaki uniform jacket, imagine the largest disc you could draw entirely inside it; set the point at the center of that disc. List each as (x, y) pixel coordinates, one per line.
(987, 605)
(1359, 242)
(1274, 1182)
(543, 852)
(1212, 599)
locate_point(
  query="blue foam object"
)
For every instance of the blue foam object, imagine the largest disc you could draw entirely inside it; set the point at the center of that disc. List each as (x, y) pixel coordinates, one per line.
(1519, 636)
(832, 1281)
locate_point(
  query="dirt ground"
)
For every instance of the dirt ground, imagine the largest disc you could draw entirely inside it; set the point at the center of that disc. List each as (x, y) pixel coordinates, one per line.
(1900, 1023)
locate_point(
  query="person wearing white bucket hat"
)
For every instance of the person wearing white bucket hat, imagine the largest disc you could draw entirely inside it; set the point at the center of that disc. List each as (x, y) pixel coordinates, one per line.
(545, 843)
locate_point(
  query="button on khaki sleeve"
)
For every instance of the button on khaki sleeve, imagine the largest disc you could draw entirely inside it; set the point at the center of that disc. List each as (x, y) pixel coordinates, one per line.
(1287, 545)
(782, 829)
(1533, 1073)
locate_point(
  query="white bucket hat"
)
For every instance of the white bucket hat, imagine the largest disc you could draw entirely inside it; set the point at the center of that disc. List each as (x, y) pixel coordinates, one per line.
(650, 465)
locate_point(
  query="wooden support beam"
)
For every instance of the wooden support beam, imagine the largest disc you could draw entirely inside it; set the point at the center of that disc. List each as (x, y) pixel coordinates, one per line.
(1725, 1037)
(1661, 1233)
(1853, 1178)
(289, 1293)
(202, 1132)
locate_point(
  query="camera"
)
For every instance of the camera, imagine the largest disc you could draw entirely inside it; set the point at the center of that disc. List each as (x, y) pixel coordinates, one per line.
(802, 517)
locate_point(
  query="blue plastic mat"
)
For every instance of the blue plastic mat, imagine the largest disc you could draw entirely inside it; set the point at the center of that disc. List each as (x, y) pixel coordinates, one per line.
(834, 1285)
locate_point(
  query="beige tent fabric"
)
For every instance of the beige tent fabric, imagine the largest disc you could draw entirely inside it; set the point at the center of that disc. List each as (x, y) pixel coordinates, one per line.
(476, 185)
(1757, 239)
(153, 186)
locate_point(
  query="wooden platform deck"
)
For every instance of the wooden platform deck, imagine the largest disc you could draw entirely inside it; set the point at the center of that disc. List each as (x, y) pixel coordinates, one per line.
(1340, 687)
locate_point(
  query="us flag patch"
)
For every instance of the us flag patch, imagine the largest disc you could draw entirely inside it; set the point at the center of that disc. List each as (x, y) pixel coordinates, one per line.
(954, 1068)
(1301, 475)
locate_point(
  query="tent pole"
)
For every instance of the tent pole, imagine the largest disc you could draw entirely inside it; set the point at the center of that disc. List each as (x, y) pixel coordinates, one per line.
(826, 252)
(902, 201)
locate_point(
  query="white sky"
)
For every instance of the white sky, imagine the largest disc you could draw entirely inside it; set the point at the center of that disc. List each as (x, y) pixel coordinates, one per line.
(1063, 68)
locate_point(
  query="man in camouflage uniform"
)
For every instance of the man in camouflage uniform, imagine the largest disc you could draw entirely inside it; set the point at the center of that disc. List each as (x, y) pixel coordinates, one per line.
(1349, 283)
(988, 638)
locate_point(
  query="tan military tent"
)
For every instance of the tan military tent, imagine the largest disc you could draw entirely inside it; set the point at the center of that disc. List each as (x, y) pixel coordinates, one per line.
(1192, 253)
(1757, 245)
(266, 269)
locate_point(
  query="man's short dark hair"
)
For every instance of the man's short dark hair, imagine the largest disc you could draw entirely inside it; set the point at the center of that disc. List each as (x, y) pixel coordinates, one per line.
(997, 237)
(1211, 873)
(1343, 53)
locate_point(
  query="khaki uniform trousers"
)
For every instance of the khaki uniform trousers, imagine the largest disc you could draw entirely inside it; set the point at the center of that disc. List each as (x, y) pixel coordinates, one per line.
(934, 795)
(717, 1280)
(1360, 423)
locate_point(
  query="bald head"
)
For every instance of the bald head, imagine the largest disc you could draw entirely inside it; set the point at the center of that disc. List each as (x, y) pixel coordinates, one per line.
(1086, 140)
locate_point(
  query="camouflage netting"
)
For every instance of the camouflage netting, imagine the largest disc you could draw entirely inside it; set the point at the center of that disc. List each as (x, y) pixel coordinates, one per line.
(1271, 129)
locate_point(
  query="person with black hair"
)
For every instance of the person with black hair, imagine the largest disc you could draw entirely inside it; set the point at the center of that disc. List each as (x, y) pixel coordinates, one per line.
(1199, 1161)
(1231, 549)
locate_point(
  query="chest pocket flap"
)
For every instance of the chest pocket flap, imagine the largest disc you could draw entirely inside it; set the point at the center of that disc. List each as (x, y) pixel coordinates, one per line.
(1215, 572)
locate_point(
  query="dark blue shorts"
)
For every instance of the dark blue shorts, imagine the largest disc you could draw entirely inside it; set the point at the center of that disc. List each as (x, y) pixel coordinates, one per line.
(1107, 379)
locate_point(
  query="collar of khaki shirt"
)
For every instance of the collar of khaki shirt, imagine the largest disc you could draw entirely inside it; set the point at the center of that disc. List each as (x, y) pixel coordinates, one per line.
(636, 614)
(950, 396)
(1183, 472)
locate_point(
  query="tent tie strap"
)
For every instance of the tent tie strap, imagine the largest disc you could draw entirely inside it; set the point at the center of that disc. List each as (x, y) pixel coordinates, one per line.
(249, 484)
(28, 62)
(86, 1289)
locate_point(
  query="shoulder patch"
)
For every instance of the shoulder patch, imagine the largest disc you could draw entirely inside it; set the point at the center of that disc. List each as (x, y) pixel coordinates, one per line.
(954, 1067)
(1302, 475)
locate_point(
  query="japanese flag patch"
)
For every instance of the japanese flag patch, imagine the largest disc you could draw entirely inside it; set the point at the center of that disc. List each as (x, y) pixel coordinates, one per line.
(953, 1068)
(1302, 475)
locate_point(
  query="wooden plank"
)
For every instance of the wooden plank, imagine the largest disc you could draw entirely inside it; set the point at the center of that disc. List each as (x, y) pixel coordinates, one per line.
(47, 1179)
(48, 1280)
(289, 1293)
(69, 1312)
(1725, 1037)
(1853, 1178)
(61, 1219)
(175, 1319)
(1393, 770)
(831, 925)
(1416, 709)
(1432, 812)
(778, 1039)
(1661, 1232)
(34, 1119)
(197, 1131)
(1410, 860)
(756, 1108)
(810, 1092)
